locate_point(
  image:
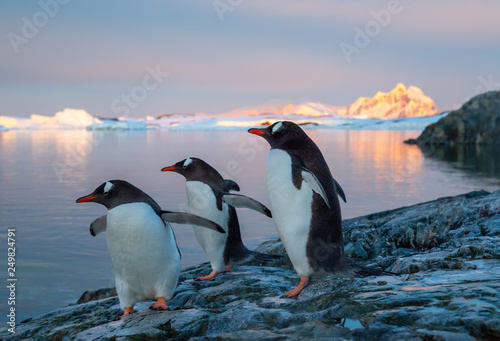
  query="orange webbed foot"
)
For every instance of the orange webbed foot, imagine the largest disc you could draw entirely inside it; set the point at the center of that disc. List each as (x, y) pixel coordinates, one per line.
(126, 311)
(228, 268)
(160, 304)
(206, 278)
(294, 293)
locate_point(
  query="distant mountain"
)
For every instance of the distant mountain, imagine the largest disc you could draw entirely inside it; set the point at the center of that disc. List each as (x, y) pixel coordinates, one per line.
(398, 103)
(302, 109)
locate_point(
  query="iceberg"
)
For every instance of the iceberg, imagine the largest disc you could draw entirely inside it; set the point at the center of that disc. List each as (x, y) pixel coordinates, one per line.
(2, 128)
(311, 122)
(66, 119)
(14, 122)
(76, 118)
(119, 125)
(309, 115)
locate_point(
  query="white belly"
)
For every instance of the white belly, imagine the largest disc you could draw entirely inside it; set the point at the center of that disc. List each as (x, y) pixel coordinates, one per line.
(143, 252)
(202, 202)
(291, 208)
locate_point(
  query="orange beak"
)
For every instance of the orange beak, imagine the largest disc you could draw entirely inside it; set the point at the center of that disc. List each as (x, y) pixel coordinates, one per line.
(168, 169)
(256, 132)
(86, 199)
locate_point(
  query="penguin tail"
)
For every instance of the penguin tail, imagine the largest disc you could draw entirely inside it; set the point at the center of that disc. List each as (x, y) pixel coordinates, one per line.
(365, 271)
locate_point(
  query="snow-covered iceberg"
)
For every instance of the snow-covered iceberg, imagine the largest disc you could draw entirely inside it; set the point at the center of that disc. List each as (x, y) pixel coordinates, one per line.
(66, 119)
(242, 122)
(309, 115)
(72, 118)
(118, 125)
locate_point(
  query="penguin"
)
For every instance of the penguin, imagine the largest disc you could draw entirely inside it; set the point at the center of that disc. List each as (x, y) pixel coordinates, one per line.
(141, 243)
(209, 197)
(303, 196)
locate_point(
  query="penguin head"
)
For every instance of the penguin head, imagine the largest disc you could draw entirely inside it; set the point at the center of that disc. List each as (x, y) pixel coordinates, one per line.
(113, 193)
(194, 169)
(280, 134)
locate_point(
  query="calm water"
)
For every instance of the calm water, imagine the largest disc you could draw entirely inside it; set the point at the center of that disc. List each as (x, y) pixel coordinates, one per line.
(43, 172)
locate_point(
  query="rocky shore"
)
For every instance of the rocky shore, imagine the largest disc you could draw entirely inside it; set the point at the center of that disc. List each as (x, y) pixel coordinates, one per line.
(477, 122)
(446, 251)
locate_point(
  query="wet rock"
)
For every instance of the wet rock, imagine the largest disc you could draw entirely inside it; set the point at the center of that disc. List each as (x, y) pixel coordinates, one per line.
(447, 254)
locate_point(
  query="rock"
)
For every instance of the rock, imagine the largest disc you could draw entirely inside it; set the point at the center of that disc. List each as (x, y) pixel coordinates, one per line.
(477, 122)
(447, 252)
(88, 296)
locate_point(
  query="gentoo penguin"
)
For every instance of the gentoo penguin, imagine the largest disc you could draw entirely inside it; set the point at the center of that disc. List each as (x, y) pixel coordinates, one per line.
(303, 198)
(209, 197)
(141, 243)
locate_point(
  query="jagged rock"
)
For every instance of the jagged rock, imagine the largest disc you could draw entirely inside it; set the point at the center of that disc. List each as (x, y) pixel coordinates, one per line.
(447, 252)
(477, 122)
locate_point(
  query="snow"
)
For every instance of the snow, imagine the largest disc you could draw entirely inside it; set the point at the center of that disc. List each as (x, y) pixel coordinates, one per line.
(319, 117)
(66, 119)
(118, 125)
(70, 118)
(399, 102)
(300, 109)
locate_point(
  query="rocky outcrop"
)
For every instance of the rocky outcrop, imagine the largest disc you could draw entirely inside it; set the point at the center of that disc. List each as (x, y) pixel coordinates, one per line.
(476, 122)
(398, 103)
(447, 252)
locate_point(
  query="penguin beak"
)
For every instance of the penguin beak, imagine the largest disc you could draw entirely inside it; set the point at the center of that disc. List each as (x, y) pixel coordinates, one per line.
(169, 169)
(256, 131)
(86, 198)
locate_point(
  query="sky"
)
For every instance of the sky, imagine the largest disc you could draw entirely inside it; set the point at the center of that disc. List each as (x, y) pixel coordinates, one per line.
(152, 57)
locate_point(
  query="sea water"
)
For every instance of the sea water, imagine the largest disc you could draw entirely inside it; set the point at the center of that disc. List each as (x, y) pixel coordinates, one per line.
(43, 172)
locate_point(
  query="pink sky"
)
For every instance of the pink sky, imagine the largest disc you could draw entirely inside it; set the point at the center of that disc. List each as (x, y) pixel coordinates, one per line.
(88, 55)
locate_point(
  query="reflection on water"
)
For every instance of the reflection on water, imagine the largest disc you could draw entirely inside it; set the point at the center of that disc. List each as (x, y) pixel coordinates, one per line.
(43, 172)
(476, 160)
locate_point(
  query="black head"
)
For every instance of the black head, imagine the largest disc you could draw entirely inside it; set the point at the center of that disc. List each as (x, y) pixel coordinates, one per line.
(117, 192)
(195, 169)
(282, 134)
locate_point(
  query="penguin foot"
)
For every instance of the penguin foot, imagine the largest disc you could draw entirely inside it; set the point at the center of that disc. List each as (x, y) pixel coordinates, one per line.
(159, 305)
(127, 311)
(294, 293)
(206, 278)
(228, 268)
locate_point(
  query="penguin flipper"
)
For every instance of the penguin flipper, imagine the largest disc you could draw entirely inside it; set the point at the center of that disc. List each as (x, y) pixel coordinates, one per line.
(190, 219)
(340, 191)
(315, 185)
(98, 226)
(231, 185)
(238, 200)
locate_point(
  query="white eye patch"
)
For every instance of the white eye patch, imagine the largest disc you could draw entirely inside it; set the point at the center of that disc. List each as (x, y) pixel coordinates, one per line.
(277, 127)
(187, 162)
(108, 187)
